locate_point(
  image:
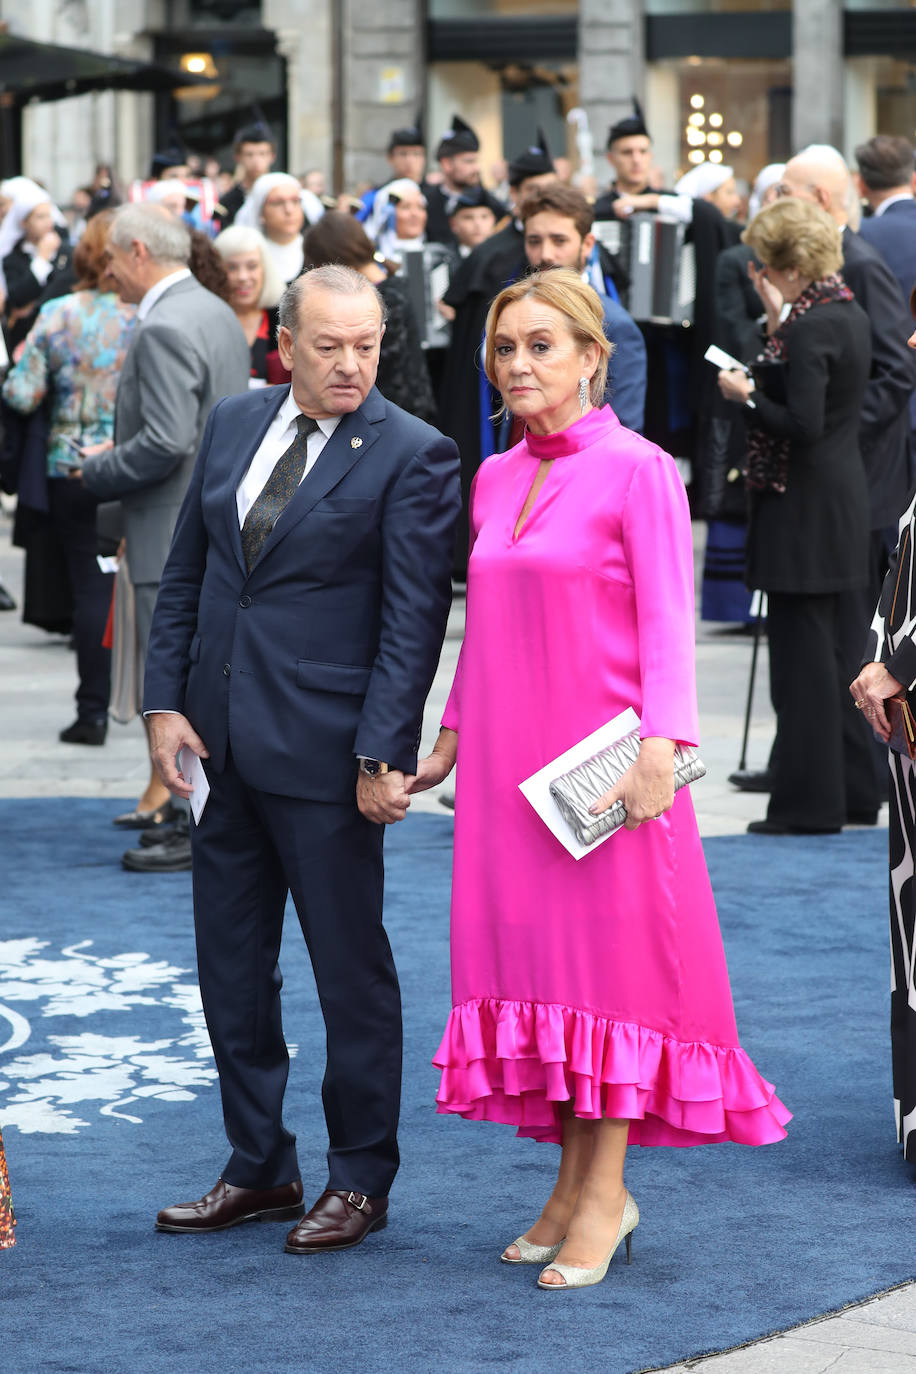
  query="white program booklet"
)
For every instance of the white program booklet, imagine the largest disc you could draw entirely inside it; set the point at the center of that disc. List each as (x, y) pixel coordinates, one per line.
(192, 770)
(537, 788)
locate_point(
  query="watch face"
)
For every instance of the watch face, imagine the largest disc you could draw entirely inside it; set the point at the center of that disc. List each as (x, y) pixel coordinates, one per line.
(372, 767)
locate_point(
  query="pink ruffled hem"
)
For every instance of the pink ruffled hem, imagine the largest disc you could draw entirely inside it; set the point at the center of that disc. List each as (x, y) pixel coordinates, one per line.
(512, 1062)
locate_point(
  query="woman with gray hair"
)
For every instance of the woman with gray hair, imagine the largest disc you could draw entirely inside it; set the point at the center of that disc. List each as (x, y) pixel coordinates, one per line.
(255, 289)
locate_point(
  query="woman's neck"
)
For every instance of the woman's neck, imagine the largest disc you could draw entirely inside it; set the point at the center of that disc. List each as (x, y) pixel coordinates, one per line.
(555, 420)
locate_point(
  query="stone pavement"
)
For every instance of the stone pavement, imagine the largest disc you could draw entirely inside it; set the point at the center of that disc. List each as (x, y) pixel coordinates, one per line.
(37, 680)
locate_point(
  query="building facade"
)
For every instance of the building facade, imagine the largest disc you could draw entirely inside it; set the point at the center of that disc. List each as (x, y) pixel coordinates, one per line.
(741, 81)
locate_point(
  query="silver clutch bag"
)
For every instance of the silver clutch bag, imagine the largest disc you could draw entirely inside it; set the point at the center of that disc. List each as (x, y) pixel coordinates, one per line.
(574, 792)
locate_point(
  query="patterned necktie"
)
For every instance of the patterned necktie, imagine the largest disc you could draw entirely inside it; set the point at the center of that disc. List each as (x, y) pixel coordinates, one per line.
(277, 492)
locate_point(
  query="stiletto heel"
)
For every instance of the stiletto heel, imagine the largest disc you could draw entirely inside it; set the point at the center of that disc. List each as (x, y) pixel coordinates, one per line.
(574, 1277)
(532, 1254)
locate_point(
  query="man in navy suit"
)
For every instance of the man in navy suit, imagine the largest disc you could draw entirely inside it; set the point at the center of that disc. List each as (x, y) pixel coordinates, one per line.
(296, 635)
(885, 180)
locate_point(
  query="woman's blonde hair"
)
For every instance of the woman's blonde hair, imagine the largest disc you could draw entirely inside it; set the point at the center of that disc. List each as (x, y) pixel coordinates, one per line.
(239, 238)
(577, 302)
(796, 234)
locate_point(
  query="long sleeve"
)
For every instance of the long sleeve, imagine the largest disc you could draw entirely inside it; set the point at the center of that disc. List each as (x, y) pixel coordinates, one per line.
(659, 549)
(626, 388)
(417, 533)
(26, 385)
(171, 380)
(807, 371)
(893, 366)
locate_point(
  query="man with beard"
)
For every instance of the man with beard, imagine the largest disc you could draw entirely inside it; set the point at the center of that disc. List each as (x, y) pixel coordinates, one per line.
(459, 161)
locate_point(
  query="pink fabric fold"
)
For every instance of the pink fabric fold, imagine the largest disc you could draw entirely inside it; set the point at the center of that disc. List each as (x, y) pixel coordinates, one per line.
(513, 1062)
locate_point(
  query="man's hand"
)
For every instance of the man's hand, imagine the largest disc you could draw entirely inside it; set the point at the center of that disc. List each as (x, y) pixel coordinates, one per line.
(384, 799)
(93, 450)
(168, 733)
(870, 691)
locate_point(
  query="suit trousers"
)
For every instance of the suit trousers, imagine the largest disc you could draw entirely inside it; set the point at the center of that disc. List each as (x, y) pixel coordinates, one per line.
(250, 849)
(823, 765)
(71, 511)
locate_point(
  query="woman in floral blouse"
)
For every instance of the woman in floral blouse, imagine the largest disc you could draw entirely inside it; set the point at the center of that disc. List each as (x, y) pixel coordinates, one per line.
(71, 360)
(7, 1216)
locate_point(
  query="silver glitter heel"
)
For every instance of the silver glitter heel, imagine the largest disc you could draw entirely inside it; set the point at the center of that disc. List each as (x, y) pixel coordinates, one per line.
(532, 1254)
(574, 1277)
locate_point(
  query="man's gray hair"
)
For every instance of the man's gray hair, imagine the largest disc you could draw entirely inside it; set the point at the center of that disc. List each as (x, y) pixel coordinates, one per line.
(165, 238)
(345, 281)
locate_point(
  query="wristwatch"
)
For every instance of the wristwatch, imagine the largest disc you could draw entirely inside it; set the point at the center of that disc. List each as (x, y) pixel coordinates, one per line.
(372, 767)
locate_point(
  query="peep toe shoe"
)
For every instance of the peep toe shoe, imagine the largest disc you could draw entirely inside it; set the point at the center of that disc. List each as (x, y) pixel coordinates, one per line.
(574, 1277)
(532, 1254)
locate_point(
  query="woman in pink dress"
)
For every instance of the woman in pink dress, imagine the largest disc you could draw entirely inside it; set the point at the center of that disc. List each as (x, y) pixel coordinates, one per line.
(591, 999)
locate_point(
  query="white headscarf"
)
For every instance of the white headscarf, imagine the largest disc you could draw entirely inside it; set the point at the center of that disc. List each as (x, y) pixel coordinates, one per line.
(249, 217)
(381, 224)
(26, 195)
(702, 180)
(768, 177)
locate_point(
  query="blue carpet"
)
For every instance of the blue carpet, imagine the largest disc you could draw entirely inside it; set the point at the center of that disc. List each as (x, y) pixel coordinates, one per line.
(110, 1111)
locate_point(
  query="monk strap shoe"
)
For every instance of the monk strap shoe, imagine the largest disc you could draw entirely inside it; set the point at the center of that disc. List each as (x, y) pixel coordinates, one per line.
(338, 1221)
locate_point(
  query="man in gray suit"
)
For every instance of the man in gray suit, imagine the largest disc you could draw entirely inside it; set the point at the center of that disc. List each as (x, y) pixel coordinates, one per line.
(188, 351)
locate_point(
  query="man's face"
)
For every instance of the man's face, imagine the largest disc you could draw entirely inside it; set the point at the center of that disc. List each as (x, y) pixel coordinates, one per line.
(472, 224)
(408, 161)
(128, 268)
(255, 159)
(631, 158)
(462, 169)
(794, 182)
(334, 354)
(553, 240)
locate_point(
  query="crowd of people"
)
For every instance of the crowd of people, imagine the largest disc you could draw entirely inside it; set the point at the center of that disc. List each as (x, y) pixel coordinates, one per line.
(257, 317)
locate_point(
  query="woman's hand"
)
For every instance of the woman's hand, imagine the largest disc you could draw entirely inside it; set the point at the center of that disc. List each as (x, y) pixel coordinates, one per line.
(646, 789)
(735, 386)
(771, 298)
(870, 691)
(436, 767)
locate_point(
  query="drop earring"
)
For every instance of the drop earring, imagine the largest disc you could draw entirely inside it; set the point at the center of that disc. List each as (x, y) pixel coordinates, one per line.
(583, 394)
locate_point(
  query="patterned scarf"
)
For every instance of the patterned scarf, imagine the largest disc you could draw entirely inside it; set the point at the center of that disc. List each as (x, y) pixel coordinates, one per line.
(768, 454)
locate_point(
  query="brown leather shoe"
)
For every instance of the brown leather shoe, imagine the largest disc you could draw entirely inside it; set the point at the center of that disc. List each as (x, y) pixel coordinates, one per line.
(226, 1206)
(336, 1222)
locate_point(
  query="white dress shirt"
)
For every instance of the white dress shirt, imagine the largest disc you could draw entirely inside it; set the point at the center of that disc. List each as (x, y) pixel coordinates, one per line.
(280, 434)
(893, 200)
(153, 294)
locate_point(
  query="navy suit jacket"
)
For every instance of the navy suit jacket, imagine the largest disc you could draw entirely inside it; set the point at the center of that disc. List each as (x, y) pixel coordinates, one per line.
(328, 647)
(894, 236)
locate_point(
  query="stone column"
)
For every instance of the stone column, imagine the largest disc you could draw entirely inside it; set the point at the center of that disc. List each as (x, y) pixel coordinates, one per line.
(303, 29)
(384, 79)
(817, 61)
(612, 65)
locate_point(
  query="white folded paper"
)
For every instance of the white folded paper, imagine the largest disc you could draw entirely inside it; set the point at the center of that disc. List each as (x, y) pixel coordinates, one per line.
(192, 770)
(536, 789)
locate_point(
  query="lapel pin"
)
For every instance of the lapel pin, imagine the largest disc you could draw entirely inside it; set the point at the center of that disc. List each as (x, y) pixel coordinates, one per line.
(356, 442)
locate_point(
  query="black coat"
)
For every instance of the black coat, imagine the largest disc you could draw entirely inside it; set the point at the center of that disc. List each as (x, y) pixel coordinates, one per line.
(893, 234)
(738, 307)
(885, 419)
(25, 294)
(813, 537)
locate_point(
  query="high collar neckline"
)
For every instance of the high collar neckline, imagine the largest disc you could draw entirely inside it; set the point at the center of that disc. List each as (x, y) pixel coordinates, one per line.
(581, 434)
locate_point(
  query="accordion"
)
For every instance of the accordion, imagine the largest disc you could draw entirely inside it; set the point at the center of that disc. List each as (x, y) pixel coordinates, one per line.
(426, 270)
(660, 265)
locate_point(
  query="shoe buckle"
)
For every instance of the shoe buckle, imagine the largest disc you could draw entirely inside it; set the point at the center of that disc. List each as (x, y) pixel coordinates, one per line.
(359, 1201)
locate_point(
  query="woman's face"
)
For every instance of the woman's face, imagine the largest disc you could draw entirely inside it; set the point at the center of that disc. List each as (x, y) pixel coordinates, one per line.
(39, 222)
(538, 364)
(282, 215)
(410, 216)
(726, 198)
(246, 279)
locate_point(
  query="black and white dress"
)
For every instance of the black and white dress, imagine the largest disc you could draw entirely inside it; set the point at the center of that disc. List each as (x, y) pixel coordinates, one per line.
(892, 640)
